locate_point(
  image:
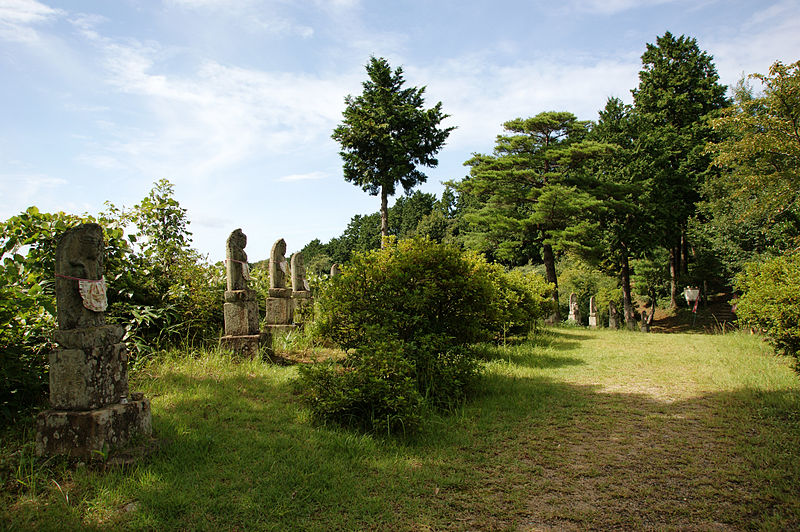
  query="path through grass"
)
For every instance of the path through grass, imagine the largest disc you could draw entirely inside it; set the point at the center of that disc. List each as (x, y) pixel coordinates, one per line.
(574, 429)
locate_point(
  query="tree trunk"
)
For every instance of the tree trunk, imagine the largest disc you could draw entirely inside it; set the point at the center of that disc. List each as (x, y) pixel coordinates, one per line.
(684, 252)
(627, 300)
(550, 273)
(674, 268)
(384, 216)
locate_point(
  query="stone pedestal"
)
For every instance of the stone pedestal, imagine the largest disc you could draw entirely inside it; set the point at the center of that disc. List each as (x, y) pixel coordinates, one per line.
(241, 323)
(279, 310)
(303, 306)
(246, 345)
(78, 433)
(92, 407)
(593, 321)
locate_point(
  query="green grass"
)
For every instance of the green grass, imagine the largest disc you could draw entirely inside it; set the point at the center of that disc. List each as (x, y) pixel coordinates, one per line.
(573, 429)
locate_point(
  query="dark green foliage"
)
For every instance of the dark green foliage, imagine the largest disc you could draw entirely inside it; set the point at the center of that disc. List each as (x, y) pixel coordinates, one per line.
(162, 292)
(770, 301)
(27, 301)
(373, 390)
(386, 133)
(678, 92)
(752, 205)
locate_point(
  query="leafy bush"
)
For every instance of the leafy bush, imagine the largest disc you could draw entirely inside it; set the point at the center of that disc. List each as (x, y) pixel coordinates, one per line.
(374, 390)
(769, 301)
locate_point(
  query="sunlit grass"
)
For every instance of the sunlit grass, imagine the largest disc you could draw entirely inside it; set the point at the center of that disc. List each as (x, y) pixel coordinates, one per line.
(570, 429)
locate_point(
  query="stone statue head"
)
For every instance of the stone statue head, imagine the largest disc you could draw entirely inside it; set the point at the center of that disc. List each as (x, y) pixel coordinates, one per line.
(80, 257)
(234, 248)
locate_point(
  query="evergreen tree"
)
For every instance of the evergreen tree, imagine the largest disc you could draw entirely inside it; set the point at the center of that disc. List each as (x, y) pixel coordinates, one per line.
(521, 201)
(678, 89)
(386, 133)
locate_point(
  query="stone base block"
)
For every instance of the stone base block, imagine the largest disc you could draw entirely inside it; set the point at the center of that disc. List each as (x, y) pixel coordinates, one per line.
(241, 319)
(88, 337)
(301, 294)
(245, 346)
(236, 296)
(85, 379)
(280, 292)
(279, 311)
(593, 322)
(79, 433)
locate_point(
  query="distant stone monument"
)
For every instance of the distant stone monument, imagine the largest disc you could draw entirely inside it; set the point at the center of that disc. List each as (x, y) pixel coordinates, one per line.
(92, 408)
(301, 292)
(242, 335)
(574, 311)
(592, 313)
(613, 316)
(335, 270)
(280, 305)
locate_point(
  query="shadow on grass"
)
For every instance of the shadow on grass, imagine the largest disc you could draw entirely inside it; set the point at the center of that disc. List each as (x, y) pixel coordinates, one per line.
(524, 453)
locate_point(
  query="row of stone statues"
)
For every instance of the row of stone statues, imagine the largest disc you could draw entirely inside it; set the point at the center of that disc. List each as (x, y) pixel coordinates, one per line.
(614, 320)
(283, 306)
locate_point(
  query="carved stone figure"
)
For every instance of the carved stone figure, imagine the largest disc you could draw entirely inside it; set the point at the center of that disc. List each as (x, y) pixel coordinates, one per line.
(613, 316)
(79, 283)
(299, 282)
(574, 311)
(236, 267)
(335, 270)
(277, 265)
(92, 408)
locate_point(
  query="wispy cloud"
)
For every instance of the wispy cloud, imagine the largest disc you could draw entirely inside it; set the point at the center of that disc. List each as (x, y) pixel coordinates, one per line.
(310, 176)
(608, 7)
(18, 18)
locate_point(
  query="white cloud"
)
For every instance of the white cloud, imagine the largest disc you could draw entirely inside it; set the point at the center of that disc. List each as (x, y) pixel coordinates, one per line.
(25, 189)
(310, 176)
(608, 7)
(18, 18)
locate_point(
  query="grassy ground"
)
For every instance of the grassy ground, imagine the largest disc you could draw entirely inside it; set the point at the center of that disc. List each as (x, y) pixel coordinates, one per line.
(575, 429)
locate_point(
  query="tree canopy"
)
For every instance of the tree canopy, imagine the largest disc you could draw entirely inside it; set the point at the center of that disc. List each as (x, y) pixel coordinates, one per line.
(387, 133)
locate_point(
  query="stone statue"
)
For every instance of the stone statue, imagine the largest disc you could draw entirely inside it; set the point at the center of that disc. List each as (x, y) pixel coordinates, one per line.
(613, 316)
(236, 267)
(92, 407)
(335, 270)
(574, 311)
(299, 282)
(80, 286)
(592, 313)
(277, 265)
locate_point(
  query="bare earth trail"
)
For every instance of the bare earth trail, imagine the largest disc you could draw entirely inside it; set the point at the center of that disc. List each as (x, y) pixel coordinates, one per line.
(621, 438)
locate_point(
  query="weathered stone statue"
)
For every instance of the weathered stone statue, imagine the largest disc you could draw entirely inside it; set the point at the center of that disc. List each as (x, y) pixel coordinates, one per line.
(335, 270)
(277, 269)
(299, 282)
(301, 293)
(242, 335)
(613, 316)
(280, 305)
(574, 311)
(592, 313)
(80, 286)
(92, 406)
(236, 267)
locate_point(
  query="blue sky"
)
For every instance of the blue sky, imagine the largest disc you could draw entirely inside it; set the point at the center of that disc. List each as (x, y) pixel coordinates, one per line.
(234, 101)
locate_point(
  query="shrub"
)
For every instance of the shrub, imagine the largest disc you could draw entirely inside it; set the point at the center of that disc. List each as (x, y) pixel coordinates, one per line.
(374, 390)
(770, 303)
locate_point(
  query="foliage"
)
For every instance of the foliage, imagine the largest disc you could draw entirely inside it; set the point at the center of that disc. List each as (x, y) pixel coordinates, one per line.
(678, 91)
(374, 390)
(580, 277)
(386, 133)
(753, 204)
(523, 196)
(769, 301)
(27, 300)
